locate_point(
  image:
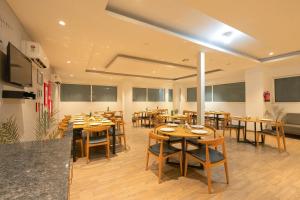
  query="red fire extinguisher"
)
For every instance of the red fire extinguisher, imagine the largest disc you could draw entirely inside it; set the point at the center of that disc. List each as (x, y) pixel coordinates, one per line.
(267, 96)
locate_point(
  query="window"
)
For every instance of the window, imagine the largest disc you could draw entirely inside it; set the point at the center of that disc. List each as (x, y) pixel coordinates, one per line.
(156, 94)
(104, 93)
(73, 92)
(208, 93)
(170, 96)
(139, 94)
(192, 94)
(232, 92)
(287, 89)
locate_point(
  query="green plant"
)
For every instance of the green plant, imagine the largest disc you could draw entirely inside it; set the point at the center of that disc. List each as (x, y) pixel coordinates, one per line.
(45, 127)
(9, 132)
(274, 112)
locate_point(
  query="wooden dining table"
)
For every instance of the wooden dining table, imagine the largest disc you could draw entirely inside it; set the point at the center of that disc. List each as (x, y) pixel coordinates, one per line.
(253, 120)
(86, 122)
(184, 133)
(216, 116)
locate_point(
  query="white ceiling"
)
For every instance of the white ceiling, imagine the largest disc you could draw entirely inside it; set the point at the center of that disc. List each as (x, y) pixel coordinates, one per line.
(92, 37)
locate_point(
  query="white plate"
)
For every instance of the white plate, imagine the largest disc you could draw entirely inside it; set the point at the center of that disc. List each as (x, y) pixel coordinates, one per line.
(167, 129)
(199, 132)
(79, 123)
(95, 124)
(197, 126)
(172, 125)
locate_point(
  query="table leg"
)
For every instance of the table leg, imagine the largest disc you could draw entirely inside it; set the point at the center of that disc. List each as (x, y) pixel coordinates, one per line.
(239, 131)
(245, 136)
(217, 119)
(262, 137)
(114, 139)
(183, 148)
(255, 133)
(73, 148)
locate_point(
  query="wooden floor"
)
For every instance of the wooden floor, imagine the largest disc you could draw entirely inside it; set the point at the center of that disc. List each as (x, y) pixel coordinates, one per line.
(255, 173)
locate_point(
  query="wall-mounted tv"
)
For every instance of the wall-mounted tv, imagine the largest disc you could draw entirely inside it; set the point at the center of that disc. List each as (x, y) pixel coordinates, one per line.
(19, 67)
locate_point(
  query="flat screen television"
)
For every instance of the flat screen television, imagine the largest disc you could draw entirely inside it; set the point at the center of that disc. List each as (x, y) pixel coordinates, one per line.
(19, 67)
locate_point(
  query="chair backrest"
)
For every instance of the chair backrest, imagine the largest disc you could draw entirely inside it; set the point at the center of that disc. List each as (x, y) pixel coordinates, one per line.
(214, 143)
(157, 126)
(95, 129)
(211, 128)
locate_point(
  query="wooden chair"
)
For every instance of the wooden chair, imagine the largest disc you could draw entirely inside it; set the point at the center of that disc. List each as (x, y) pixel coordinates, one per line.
(209, 157)
(232, 123)
(194, 141)
(120, 132)
(161, 150)
(276, 131)
(93, 141)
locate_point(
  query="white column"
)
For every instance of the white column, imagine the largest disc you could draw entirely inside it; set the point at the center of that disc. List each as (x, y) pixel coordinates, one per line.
(201, 88)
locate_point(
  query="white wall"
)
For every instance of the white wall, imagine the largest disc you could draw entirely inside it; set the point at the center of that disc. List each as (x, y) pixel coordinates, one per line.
(124, 100)
(11, 30)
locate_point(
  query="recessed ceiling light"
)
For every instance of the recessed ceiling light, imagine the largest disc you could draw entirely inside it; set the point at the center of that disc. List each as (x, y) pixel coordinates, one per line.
(68, 62)
(271, 53)
(62, 23)
(153, 72)
(71, 75)
(94, 68)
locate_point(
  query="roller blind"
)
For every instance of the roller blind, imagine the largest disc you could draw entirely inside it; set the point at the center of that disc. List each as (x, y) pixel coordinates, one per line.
(74, 92)
(139, 94)
(104, 93)
(287, 89)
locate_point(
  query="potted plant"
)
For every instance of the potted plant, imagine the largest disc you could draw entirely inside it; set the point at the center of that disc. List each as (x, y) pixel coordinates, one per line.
(9, 132)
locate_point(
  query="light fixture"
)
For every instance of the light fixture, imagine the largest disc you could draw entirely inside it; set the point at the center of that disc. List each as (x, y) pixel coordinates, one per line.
(62, 23)
(94, 68)
(271, 53)
(68, 62)
(71, 75)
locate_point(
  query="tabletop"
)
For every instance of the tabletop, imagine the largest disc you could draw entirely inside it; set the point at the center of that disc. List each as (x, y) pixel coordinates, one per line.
(183, 132)
(88, 121)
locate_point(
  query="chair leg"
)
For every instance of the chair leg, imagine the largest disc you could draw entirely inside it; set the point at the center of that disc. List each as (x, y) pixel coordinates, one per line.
(257, 139)
(230, 132)
(160, 168)
(147, 160)
(208, 172)
(284, 144)
(180, 162)
(125, 145)
(82, 149)
(226, 172)
(186, 165)
(107, 151)
(278, 143)
(87, 154)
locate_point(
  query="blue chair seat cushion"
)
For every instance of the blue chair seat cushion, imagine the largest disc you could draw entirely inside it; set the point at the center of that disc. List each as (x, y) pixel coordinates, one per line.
(167, 149)
(236, 126)
(200, 153)
(98, 139)
(269, 132)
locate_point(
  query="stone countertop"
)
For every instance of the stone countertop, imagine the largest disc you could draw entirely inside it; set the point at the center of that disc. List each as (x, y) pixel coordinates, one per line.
(35, 170)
